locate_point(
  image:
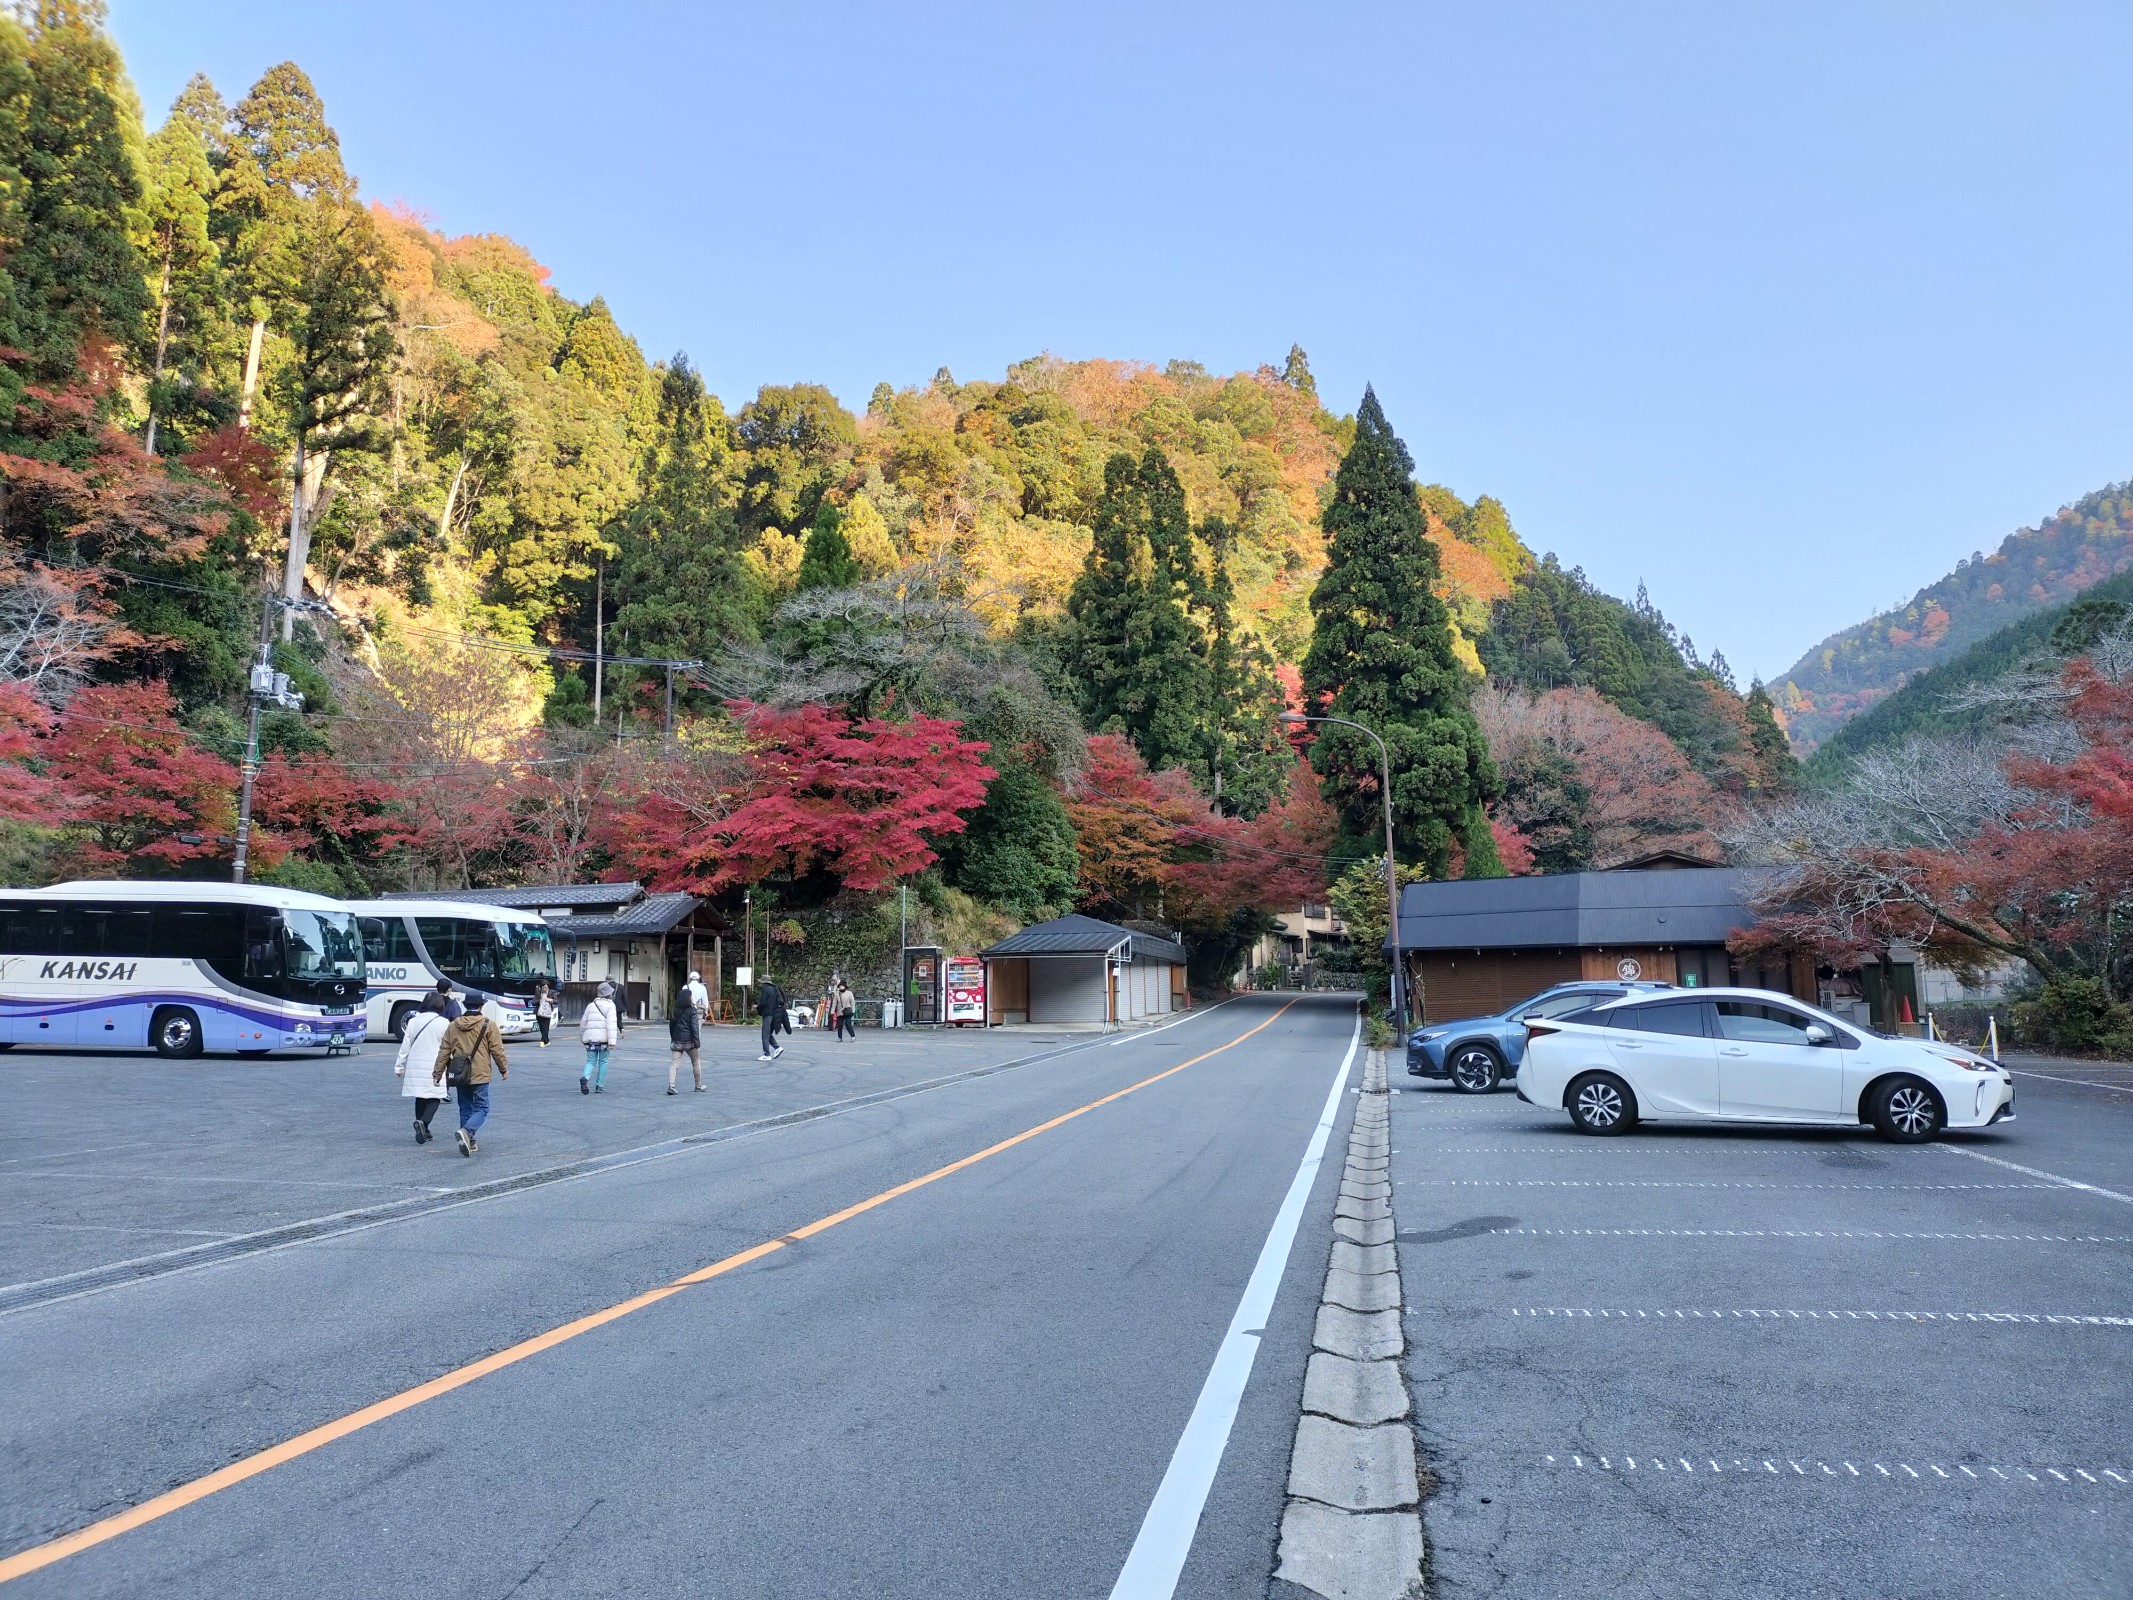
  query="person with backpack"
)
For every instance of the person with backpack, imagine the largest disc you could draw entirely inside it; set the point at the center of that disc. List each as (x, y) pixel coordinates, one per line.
(844, 1002)
(770, 1006)
(471, 1051)
(453, 1010)
(599, 1030)
(684, 1038)
(420, 1037)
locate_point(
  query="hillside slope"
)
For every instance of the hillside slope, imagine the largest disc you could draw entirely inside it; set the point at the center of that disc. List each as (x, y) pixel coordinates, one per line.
(1921, 705)
(2033, 568)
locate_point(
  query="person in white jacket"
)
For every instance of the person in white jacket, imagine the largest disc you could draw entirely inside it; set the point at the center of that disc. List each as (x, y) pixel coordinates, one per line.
(420, 1037)
(599, 1030)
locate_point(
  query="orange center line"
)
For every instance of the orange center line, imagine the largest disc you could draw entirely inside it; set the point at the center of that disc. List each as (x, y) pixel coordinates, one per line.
(37, 1557)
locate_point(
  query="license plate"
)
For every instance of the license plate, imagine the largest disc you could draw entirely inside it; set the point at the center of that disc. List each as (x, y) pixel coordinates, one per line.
(339, 1011)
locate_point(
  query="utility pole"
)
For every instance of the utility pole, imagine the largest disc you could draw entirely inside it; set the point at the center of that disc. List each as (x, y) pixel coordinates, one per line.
(1392, 876)
(267, 687)
(670, 703)
(599, 631)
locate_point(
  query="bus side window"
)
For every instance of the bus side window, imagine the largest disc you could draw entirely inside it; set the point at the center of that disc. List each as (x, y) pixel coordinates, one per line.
(104, 930)
(262, 945)
(399, 943)
(213, 934)
(373, 938)
(442, 936)
(30, 929)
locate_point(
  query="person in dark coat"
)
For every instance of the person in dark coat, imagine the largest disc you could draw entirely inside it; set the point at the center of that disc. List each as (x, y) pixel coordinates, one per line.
(684, 1038)
(770, 1006)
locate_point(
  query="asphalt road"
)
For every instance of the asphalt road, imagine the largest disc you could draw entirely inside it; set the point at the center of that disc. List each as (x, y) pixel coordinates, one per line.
(970, 1388)
(1782, 1363)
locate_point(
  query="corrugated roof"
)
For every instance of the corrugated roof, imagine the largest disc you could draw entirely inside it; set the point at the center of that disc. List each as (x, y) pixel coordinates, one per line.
(535, 897)
(1077, 935)
(1578, 910)
(655, 913)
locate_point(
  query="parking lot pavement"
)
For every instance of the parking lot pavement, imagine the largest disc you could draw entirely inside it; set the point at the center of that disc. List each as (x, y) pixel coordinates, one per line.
(108, 1158)
(1771, 1362)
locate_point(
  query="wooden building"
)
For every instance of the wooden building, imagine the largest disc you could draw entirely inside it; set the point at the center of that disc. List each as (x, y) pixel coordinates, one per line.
(643, 943)
(1474, 946)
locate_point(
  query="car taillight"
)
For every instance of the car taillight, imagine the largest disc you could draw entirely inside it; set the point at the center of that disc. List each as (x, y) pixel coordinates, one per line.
(1535, 1029)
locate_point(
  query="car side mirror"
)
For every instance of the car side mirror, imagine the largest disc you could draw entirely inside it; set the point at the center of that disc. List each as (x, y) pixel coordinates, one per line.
(1817, 1034)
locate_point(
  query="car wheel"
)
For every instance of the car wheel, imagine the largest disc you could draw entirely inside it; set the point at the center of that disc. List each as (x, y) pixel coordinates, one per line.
(397, 1027)
(1600, 1103)
(1906, 1111)
(1475, 1069)
(175, 1032)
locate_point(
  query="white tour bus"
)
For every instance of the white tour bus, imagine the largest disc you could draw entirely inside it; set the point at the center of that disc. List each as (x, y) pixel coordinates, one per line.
(178, 967)
(486, 950)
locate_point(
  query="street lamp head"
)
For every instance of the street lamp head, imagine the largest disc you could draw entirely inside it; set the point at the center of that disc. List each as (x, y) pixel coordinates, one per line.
(1293, 716)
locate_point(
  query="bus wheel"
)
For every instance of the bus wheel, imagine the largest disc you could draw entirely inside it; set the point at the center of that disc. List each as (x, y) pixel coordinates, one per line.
(397, 1027)
(175, 1032)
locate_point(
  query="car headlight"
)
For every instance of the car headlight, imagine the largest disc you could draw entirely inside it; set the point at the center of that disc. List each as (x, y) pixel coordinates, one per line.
(1425, 1035)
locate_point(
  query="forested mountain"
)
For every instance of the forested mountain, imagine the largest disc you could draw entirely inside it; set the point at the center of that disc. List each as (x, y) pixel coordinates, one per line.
(1021, 641)
(2033, 568)
(1923, 705)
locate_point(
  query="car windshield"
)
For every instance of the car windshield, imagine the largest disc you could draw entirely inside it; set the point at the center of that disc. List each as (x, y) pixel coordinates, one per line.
(526, 950)
(322, 944)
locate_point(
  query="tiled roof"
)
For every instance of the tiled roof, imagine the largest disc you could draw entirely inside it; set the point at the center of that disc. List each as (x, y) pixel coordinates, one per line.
(1085, 936)
(655, 913)
(1574, 910)
(536, 897)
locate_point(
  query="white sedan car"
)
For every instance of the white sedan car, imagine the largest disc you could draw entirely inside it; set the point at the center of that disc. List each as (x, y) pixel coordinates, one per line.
(1749, 1055)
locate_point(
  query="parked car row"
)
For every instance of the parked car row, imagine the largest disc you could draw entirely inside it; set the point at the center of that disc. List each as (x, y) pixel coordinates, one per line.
(1614, 1054)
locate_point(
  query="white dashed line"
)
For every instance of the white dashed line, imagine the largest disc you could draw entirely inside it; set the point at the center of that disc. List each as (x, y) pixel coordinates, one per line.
(1786, 1314)
(1809, 1467)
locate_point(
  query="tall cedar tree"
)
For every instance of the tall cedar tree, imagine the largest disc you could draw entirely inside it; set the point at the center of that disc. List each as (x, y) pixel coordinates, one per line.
(1137, 654)
(1777, 770)
(1247, 760)
(1019, 849)
(678, 570)
(827, 561)
(68, 122)
(183, 264)
(1381, 653)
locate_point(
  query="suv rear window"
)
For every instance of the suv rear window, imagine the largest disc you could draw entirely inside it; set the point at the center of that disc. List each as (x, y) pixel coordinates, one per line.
(1662, 1016)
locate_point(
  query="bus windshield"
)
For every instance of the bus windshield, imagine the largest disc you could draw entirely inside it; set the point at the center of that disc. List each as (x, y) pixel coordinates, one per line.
(322, 945)
(508, 956)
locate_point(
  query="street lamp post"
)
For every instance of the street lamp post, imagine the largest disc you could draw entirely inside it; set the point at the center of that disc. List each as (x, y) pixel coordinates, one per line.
(1392, 877)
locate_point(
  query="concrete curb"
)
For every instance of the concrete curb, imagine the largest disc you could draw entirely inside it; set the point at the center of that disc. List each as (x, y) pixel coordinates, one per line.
(1352, 1529)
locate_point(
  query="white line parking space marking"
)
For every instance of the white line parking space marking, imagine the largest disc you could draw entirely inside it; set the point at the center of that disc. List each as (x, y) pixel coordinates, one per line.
(1704, 1465)
(1749, 1314)
(1811, 1233)
(2086, 1083)
(1720, 1183)
(2036, 1172)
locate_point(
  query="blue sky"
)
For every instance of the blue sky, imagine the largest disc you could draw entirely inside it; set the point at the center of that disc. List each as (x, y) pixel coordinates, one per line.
(1779, 307)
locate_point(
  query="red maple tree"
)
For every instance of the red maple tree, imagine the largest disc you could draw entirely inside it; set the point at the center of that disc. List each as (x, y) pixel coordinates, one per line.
(145, 798)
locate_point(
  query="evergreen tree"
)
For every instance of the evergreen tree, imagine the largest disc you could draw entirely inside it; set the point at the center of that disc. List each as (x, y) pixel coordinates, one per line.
(183, 263)
(1137, 655)
(1247, 763)
(1296, 372)
(677, 575)
(69, 127)
(1777, 770)
(1019, 850)
(827, 561)
(1381, 653)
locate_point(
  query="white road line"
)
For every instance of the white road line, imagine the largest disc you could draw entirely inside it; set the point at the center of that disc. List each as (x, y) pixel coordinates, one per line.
(2036, 1172)
(1808, 1233)
(1157, 1559)
(2086, 1083)
(2057, 1319)
(1734, 1183)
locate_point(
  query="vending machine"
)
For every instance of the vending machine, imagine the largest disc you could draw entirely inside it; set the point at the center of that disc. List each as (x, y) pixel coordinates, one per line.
(966, 991)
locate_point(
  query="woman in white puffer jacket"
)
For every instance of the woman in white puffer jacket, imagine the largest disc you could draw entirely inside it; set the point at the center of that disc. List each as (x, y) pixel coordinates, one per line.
(599, 1030)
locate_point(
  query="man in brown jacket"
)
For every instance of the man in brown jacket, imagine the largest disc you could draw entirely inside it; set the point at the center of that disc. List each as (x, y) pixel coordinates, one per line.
(475, 1037)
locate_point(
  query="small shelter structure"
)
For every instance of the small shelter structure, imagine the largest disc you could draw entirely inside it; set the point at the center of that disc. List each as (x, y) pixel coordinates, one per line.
(1077, 971)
